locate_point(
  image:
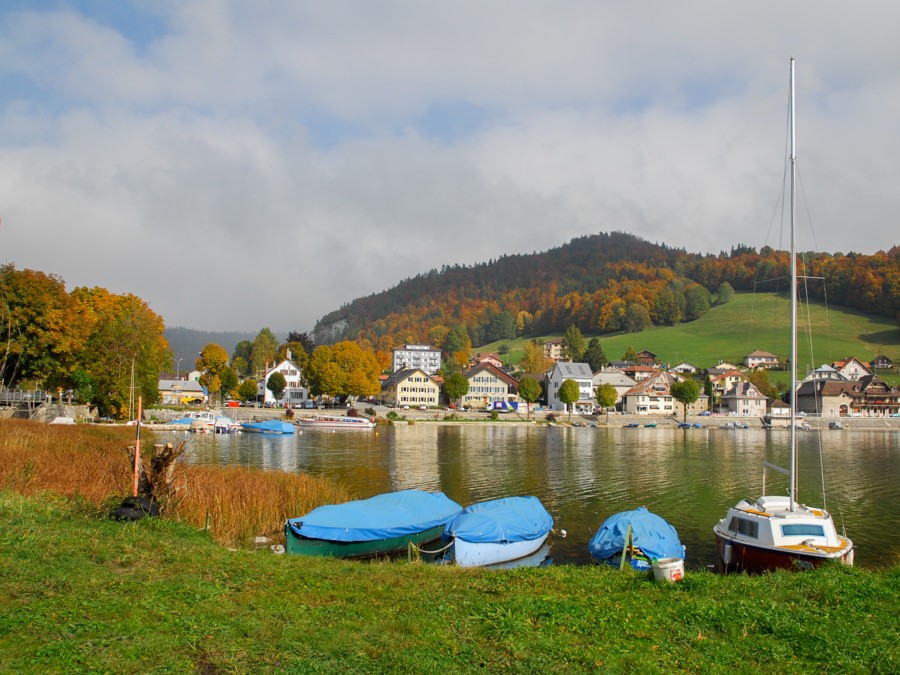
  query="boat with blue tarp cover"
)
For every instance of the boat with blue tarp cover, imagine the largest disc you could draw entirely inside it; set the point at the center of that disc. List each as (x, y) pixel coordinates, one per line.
(269, 427)
(497, 531)
(639, 535)
(381, 525)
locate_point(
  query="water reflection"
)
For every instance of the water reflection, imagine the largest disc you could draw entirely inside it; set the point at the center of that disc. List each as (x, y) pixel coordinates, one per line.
(582, 475)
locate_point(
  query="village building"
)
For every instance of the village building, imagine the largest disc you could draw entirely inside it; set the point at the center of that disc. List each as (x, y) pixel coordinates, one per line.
(646, 358)
(852, 368)
(617, 379)
(411, 387)
(746, 400)
(566, 370)
(759, 359)
(182, 392)
(882, 362)
(295, 394)
(553, 349)
(827, 397)
(651, 396)
(488, 385)
(479, 358)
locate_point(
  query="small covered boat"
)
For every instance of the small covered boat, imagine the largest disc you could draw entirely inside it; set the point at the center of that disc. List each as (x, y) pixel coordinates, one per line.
(497, 531)
(380, 525)
(639, 535)
(269, 427)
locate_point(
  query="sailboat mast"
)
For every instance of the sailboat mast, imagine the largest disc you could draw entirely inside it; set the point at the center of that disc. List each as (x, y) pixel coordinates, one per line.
(793, 436)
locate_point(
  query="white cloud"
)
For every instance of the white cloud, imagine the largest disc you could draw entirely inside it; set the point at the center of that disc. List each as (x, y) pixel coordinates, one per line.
(246, 165)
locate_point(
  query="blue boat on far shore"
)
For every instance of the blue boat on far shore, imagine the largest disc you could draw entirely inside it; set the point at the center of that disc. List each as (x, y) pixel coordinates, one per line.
(269, 427)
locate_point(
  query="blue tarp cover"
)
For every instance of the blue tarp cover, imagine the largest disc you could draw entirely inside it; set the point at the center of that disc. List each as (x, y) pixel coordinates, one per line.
(272, 426)
(394, 514)
(650, 533)
(501, 520)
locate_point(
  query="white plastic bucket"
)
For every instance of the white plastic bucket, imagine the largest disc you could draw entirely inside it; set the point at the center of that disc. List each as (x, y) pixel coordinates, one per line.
(668, 569)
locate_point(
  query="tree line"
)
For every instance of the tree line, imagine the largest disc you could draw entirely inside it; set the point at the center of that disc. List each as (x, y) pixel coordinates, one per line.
(604, 283)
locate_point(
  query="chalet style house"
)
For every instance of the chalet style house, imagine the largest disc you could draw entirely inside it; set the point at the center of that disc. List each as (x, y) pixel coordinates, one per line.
(852, 368)
(746, 400)
(652, 396)
(411, 387)
(882, 362)
(760, 359)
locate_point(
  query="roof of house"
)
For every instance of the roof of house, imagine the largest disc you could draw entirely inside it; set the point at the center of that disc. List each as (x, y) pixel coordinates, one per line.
(184, 385)
(616, 379)
(660, 383)
(758, 353)
(573, 371)
(404, 374)
(491, 368)
(744, 389)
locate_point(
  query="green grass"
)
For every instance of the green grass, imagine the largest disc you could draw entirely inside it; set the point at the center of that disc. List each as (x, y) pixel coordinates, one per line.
(80, 593)
(752, 321)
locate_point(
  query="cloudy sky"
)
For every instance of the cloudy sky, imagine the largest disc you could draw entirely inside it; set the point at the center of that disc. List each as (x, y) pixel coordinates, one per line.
(261, 163)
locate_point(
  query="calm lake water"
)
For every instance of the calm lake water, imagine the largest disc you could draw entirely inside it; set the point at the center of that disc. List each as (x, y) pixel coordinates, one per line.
(583, 475)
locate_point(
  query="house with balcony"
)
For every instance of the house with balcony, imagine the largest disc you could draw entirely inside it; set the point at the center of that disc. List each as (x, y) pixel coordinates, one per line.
(759, 359)
(872, 396)
(553, 349)
(416, 356)
(852, 368)
(652, 396)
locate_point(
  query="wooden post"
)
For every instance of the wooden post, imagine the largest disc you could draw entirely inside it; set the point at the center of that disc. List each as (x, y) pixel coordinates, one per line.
(137, 451)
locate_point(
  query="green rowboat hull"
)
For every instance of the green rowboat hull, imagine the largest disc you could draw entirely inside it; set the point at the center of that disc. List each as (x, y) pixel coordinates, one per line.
(357, 549)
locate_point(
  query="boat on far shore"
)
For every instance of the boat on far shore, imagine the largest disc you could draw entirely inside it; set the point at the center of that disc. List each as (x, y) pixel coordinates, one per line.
(331, 422)
(269, 427)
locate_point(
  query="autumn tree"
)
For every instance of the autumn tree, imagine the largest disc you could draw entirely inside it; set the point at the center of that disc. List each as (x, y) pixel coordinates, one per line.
(686, 393)
(212, 362)
(606, 396)
(343, 369)
(568, 394)
(529, 391)
(533, 359)
(242, 358)
(630, 356)
(456, 386)
(124, 336)
(276, 384)
(637, 318)
(724, 293)
(264, 350)
(573, 344)
(458, 347)
(248, 390)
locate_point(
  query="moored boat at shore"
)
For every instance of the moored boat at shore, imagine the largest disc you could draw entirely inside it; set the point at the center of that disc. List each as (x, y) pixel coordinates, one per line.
(498, 531)
(635, 538)
(382, 525)
(777, 531)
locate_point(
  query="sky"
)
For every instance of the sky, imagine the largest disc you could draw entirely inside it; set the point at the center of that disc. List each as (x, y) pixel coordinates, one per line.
(247, 164)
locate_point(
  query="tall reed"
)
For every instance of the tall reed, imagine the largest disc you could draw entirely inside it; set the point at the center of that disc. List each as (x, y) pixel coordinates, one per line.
(91, 463)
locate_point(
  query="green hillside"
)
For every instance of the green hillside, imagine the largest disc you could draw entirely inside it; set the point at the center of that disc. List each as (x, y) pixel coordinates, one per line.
(752, 321)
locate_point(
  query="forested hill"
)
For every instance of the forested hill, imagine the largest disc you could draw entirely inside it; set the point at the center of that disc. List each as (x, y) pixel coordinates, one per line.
(602, 283)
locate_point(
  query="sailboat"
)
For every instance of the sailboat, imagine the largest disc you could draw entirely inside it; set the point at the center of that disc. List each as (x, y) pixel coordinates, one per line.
(777, 531)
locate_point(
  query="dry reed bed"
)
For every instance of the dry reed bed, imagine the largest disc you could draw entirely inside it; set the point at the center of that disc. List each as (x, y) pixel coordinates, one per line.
(91, 463)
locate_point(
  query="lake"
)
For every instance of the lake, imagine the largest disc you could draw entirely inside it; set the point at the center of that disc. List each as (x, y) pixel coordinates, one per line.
(583, 475)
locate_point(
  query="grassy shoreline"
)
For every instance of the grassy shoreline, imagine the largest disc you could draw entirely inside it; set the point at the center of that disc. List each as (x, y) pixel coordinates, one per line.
(80, 592)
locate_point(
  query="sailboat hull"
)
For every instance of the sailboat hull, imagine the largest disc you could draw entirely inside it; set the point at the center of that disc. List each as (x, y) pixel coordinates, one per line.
(741, 557)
